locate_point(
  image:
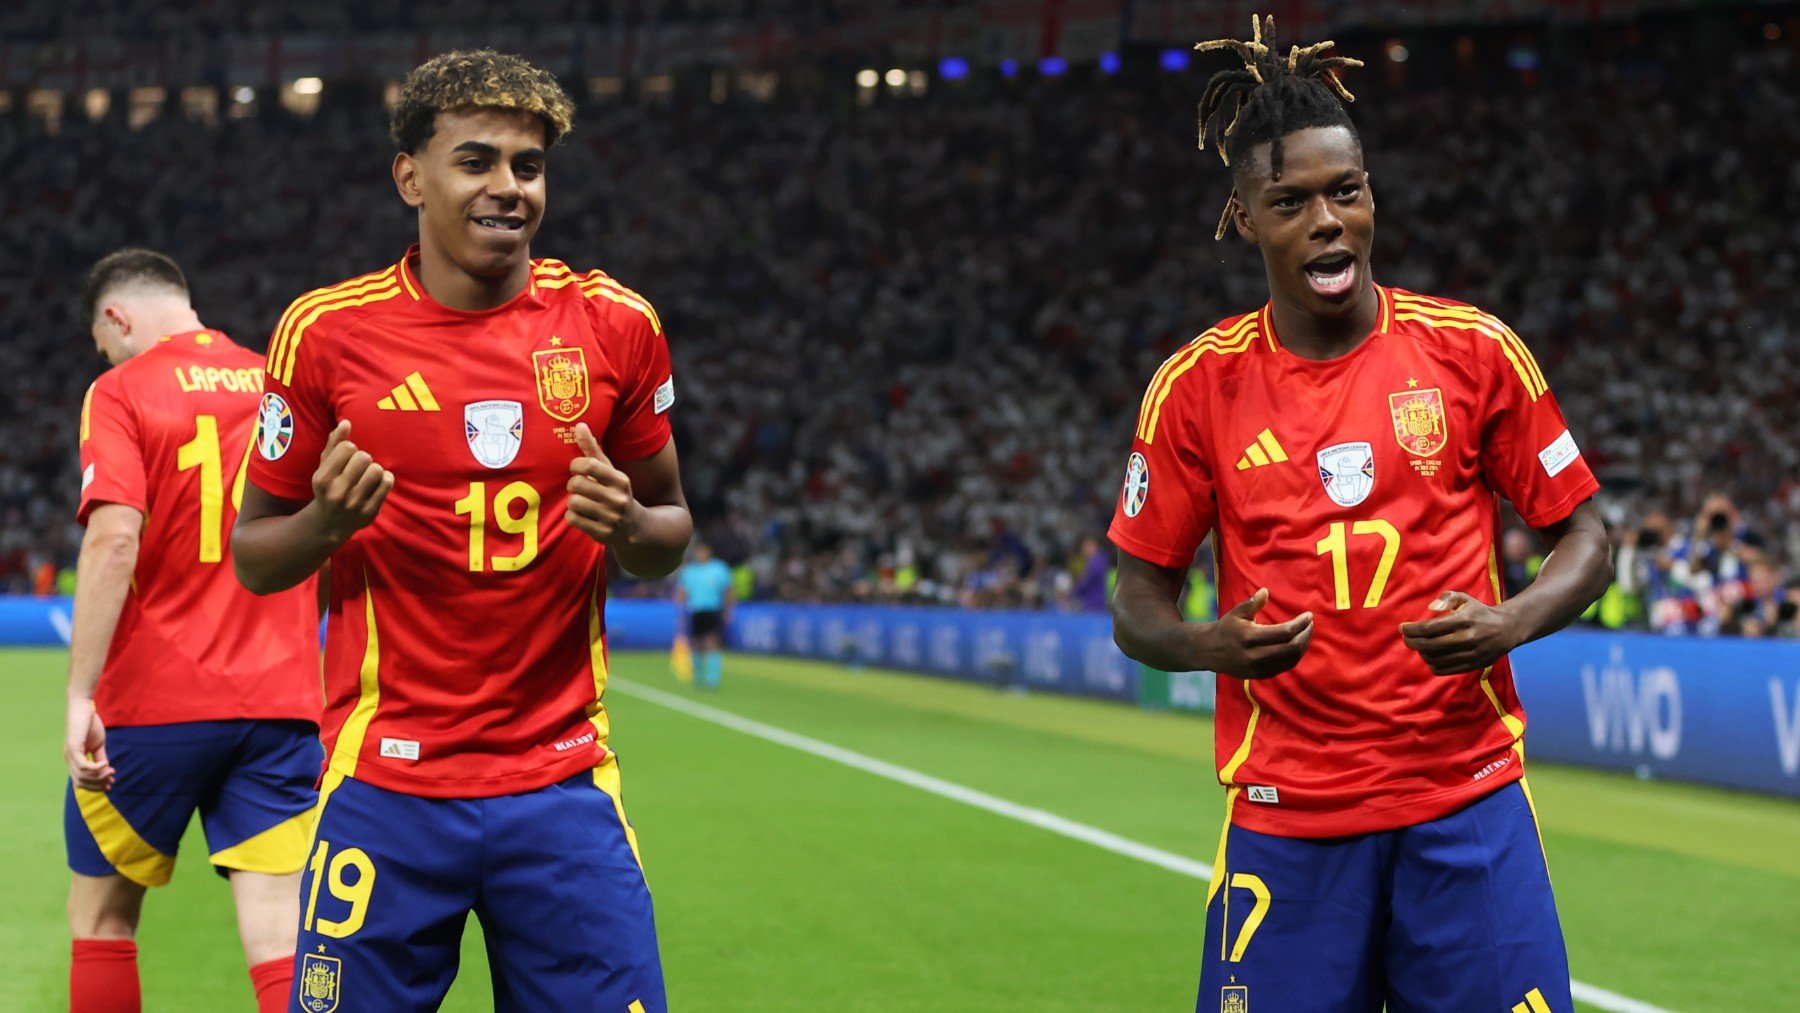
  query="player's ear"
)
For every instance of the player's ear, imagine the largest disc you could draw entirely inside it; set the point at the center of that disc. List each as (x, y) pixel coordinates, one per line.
(406, 179)
(1240, 217)
(120, 317)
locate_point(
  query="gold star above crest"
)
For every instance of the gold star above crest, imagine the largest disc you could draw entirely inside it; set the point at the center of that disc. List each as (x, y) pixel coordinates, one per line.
(1411, 382)
(555, 342)
(321, 947)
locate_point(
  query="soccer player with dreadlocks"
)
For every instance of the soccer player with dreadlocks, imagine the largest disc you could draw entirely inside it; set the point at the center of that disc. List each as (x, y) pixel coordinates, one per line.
(1346, 445)
(511, 430)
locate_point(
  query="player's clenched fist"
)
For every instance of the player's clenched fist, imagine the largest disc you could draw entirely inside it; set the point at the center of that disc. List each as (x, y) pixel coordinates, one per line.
(1239, 645)
(601, 505)
(1467, 635)
(348, 486)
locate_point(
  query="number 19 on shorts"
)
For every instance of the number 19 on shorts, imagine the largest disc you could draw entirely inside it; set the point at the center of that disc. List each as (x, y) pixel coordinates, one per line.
(349, 876)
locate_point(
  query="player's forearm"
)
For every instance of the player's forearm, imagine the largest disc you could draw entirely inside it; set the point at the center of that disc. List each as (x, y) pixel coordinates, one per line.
(278, 552)
(1150, 629)
(1573, 576)
(657, 543)
(102, 580)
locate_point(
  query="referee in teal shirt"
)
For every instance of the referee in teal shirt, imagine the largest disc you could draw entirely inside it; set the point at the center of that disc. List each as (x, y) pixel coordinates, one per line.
(703, 587)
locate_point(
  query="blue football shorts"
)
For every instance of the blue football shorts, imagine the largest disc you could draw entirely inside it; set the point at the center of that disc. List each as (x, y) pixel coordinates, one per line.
(1453, 914)
(252, 782)
(552, 874)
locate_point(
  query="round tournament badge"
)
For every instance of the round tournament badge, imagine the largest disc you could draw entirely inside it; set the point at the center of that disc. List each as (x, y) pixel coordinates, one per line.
(274, 427)
(1137, 484)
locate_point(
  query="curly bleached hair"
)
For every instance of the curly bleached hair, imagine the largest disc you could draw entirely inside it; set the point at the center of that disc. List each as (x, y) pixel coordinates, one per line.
(1272, 95)
(476, 79)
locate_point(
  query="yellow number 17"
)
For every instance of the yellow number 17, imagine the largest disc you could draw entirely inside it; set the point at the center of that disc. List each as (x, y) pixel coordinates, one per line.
(1337, 546)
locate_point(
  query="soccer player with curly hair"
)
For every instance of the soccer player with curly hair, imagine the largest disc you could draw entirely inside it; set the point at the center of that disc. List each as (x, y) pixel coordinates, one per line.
(1347, 445)
(466, 435)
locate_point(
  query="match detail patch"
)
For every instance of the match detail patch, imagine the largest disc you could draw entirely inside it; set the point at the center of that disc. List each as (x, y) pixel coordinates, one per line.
(1559, 454)
(665, 396)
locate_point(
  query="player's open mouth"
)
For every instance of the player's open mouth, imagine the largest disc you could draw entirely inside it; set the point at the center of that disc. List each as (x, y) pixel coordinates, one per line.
(504, 223)
(1332, 275)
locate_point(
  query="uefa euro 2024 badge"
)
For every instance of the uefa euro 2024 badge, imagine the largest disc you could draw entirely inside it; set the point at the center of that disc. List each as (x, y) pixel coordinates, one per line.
(274, 427)
(1137, 484)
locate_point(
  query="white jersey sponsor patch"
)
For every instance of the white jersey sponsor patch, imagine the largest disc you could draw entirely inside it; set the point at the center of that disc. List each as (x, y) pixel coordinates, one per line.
(665, 396)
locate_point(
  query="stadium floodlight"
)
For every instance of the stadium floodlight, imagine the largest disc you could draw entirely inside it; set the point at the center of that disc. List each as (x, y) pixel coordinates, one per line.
(896, 77)
(1052, 66)
(308, 86)
(1174, 60)
(1009, 68)
(868, 78)
(1397, 51)
(953, 68)
(243, 94)
(1109, 63)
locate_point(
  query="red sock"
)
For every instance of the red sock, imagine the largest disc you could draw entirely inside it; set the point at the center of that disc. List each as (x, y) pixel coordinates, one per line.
(103, 977)
(273, 980)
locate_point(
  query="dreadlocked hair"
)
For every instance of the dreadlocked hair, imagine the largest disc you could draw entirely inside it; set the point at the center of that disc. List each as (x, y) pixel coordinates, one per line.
(1270, 97)
(476, 79)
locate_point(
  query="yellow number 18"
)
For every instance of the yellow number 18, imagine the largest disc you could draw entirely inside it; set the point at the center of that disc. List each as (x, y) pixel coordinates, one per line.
(1337, 546)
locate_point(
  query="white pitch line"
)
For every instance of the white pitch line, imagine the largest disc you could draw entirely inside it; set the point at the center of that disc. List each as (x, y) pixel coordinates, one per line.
(1040, 818)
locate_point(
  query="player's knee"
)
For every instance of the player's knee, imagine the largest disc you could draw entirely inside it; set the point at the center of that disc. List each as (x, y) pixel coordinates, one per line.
(104, 907)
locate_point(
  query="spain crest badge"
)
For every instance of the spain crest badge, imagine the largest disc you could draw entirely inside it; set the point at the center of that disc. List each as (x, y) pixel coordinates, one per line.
(1419, 420)
(321, 981)
(562, 382)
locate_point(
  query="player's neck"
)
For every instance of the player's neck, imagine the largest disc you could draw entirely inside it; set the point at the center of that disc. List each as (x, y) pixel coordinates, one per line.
(456, 288)
(1311, 336)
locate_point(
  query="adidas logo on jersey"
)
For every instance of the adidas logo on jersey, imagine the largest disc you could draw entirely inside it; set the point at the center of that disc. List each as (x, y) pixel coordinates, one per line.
(1266, 450)
(410, 395)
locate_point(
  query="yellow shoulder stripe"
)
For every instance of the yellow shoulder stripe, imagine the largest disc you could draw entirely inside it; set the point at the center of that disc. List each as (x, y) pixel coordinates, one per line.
(599, 284)
(373, 292)
(87, 405)
(1156, 382)
(278, 345)
(1227, 342)
(1469, 319)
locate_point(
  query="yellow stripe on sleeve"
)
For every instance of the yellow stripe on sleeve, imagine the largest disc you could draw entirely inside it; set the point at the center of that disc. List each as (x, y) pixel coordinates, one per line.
(374, 291)
(278, 344)
(1198, 350)
(87, 408)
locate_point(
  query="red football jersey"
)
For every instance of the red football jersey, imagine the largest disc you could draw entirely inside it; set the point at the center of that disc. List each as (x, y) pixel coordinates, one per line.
(465, 652)
(1358, 489)
(166, 433)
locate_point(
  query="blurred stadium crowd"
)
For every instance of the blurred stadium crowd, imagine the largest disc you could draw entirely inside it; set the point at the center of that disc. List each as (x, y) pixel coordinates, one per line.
(911, 332)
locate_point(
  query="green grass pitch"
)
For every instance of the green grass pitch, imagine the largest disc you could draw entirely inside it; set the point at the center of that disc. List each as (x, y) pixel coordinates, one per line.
(787, 881)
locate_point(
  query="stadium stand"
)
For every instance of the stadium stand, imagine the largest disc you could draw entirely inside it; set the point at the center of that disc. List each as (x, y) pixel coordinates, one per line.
(911, 330)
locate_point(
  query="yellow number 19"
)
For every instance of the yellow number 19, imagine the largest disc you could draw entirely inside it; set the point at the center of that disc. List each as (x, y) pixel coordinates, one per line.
(1337, 546)
(354, 892)
(474, 506)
